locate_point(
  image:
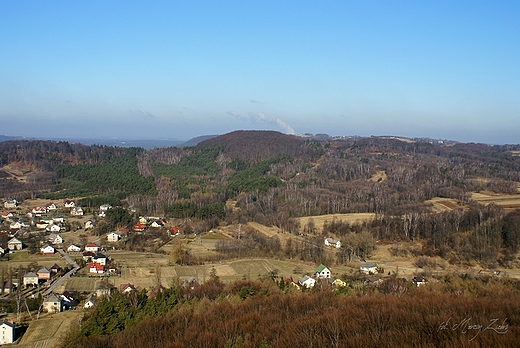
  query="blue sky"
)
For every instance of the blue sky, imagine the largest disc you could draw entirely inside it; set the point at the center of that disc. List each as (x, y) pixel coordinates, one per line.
(168, 69)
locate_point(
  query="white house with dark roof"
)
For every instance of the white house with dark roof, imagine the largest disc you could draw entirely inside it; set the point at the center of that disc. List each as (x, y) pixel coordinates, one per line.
(368, 268)
(6, 332)
(332, 242)
(30, 278)
(307, 281)
(53, 304)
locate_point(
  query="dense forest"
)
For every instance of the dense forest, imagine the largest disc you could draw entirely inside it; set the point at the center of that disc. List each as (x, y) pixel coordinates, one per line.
(272, 178)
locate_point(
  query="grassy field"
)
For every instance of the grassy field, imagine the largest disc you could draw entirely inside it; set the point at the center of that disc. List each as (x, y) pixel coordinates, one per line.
(350, 218)
(50, 329)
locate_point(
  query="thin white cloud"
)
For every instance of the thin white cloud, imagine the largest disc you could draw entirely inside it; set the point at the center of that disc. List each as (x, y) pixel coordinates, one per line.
(233, 113)
(273, 120)
(254, 101)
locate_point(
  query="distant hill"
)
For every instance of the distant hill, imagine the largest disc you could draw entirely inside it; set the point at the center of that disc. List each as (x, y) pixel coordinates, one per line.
(196, 140)
(255, 145)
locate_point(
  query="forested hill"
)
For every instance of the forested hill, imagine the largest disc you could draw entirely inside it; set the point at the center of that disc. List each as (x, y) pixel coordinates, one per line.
(255, 146)
(271, 176)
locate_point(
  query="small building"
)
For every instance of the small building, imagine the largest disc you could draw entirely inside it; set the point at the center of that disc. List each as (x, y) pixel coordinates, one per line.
(333, 243)
(44, 273)
(39, 211)
(51, 206)
(89, 302)
(89, 224)
(55, 238)
(15, 244)
(69, 203)
(96, 268)
(7, 332)
(47, 249)
(92, 247)
(10, 203)
(419, 280)
(113, 237)
(53, 304)
(126, 288)
(322, 272)
(307, 281)
(76, 211)
(73, 248)
(99, 258)
(30, 278)
(368, 268)
(54, 228)
(139, 227)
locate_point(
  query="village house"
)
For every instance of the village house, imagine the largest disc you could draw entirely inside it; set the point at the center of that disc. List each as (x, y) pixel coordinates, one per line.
(126, 288)
(419, 280)
(50, 206)
(55, 238)
(89, 302)
(7, 215)
(100, 258)
(113, 237)
(30, 278)
(15, 225)
(47, 249)
(92, 247)
(44, 273)
(58, 219)
(76, 211)
(322, 272)
(69, 203)
(68, 300)
(15, 244)
(307, 281)
(139, 227)
(96, 268)
(39, 211)
(104, 289)
(10, 203)
(333, 243)
(7, 332)
(89, 224)
(53, 229)
(73, 248)
(87, 256)
(53, 304)
(174, 231)
(157, 224)
(368, 268)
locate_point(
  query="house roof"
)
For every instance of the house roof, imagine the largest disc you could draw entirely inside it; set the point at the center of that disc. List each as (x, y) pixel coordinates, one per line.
(30, 275)
(320, 268)
(8, 323)
(44, 270)
(368, 265)
(53, 298)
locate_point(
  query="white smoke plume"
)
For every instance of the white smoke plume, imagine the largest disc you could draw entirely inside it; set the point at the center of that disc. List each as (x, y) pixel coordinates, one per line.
(275, 120)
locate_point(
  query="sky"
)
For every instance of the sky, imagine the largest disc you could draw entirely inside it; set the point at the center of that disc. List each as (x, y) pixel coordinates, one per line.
(181, 69)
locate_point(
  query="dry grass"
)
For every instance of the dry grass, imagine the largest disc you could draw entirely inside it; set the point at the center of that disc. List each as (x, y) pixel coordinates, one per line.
(352, 218)
(440, 205)
(379, 176)
(50, 330)
(505, 201)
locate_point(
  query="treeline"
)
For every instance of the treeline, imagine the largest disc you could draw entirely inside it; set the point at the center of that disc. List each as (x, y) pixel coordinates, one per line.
(455, 311)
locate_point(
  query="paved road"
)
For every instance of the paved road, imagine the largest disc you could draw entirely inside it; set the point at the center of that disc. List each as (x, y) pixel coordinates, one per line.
(66, 276)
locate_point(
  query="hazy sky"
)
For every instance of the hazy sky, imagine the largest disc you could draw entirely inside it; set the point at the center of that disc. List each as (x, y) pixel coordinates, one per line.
(179, 69)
